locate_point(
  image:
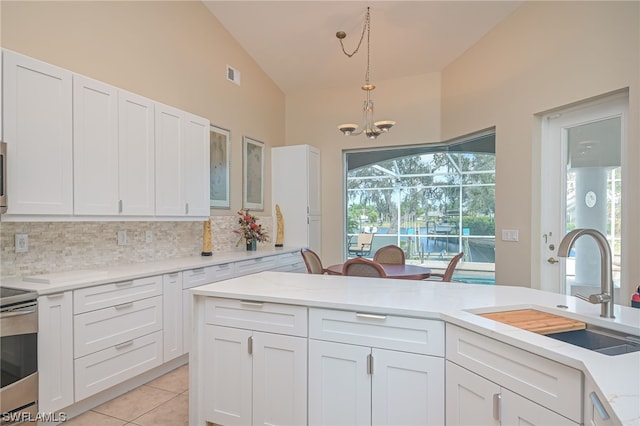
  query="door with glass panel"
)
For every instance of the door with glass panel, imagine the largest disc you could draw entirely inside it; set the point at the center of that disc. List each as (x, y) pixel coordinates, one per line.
(581, 187)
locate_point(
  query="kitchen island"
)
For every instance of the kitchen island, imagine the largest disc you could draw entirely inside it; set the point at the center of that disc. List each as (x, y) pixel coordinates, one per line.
(293, 329)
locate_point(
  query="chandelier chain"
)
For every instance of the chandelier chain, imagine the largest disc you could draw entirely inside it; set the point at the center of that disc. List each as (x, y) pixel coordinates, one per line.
(366, 27)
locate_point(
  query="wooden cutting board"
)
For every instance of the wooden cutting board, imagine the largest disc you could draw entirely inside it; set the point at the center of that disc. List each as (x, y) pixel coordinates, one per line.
(536, 321)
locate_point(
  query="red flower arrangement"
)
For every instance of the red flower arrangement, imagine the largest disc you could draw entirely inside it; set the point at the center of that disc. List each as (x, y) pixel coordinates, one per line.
(250, 230)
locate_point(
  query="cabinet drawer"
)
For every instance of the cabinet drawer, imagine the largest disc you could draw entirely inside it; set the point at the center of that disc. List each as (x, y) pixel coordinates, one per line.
(258, 264)
(111, 326)
(102, 296)
(109, 367)
(198, 276)
(258, 316)
(549, 383)
(289, 258)
(223, 271)
(381, 331)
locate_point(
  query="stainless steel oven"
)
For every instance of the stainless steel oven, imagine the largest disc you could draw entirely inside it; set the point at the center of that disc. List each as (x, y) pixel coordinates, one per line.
(19, 356)
(3, 177)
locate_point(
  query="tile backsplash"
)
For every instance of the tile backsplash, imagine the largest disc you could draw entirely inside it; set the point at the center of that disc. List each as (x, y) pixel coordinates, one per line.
(65, 246)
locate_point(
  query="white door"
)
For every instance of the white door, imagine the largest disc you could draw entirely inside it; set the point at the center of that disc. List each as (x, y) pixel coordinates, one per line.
(339, 384)
(37, 127)
(517, 410)
(471, 399)
(279, 379)
(406, 389)
(581, 188)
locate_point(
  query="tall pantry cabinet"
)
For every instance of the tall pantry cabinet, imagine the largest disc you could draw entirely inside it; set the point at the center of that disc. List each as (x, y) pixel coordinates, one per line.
(296, 189)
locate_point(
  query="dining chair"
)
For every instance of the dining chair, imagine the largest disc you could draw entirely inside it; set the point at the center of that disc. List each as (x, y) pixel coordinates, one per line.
(362, 244)
(448, 273)
(390, 254)
(362, 267)
(312, 261)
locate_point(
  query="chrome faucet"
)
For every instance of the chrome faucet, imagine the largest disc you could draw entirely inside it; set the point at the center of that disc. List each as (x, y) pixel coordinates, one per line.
(605, 297)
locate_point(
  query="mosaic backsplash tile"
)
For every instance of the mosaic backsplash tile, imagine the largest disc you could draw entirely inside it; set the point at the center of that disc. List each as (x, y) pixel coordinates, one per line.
(66, 246)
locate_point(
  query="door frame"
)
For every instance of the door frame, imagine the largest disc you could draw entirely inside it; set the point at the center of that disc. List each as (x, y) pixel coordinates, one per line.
(547, 276)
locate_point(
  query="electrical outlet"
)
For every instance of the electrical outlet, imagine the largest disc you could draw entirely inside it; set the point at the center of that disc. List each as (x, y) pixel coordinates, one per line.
(22, 243)
(122, 238)
(148, 236)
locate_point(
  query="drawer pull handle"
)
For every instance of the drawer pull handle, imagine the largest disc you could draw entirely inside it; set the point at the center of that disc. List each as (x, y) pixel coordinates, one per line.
(124, 305)
(223, 266)
(496, 406)
(597, 404)
(54, 296)
(124, 283)
(252, 303)
(197, 271)
(371, 316)
(124, 344)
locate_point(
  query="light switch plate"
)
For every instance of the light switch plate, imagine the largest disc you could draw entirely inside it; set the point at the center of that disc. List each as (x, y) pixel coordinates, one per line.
(509, 235)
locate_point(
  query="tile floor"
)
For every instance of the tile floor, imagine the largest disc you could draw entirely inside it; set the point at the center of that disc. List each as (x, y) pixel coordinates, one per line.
(163, 401)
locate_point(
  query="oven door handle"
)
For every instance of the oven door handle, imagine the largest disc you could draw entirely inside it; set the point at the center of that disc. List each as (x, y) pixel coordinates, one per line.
(16, 313)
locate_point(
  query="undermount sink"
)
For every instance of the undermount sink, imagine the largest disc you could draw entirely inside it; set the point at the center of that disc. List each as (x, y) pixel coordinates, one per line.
(578, 333)
(605, 342)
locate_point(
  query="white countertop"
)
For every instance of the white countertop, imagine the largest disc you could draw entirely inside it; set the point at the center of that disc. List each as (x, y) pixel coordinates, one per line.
(617, 377)
(70, 280)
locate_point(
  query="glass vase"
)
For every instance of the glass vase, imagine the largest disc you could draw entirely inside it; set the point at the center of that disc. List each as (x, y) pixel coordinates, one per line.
(251, 245)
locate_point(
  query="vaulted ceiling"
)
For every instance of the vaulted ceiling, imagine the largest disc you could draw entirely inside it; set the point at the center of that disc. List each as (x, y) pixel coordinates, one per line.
(295, 42)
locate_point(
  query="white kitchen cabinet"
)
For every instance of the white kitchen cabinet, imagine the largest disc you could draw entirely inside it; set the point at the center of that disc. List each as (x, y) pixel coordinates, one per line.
(117, 333)
(596, 412)
(547, 392)
(37, 127)
(136, 155)
(370, 369)
(182, 163)
(172, 315)
(55, 354)
(194, 278)
(95, 147)
(470, 399)
(253, 376)
(474, 400)
(295, 177)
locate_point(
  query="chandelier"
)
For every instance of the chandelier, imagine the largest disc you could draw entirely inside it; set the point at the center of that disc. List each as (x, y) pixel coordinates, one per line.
(372, 129)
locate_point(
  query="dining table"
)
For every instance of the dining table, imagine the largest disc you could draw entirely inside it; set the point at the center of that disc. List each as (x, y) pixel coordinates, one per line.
(392, 270)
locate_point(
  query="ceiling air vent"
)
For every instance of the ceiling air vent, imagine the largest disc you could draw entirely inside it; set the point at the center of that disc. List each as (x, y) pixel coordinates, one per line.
(233, 75)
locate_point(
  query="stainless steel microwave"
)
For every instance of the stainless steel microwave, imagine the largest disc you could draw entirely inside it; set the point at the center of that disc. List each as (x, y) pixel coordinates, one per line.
(3, 177)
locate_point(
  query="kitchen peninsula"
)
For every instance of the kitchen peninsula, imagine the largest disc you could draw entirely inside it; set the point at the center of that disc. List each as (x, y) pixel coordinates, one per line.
(297, 349)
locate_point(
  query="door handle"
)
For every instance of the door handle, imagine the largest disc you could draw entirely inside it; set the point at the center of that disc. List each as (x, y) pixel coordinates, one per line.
(552, 260)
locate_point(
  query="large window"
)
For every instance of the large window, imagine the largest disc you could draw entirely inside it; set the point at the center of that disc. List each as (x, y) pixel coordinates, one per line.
(433, 201)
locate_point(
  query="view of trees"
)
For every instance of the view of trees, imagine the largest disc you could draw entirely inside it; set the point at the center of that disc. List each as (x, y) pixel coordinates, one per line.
(424, 199)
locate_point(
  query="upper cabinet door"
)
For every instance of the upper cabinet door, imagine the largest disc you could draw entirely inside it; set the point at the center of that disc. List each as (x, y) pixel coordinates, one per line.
(95, 147)
(169, 146)
(136, 154)
(37, 106)
(196, 165)
(182, 163)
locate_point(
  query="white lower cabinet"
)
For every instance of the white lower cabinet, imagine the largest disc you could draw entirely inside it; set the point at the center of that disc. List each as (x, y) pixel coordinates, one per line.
(358, 385)
(375, 370)
(254, 377)
(117, 333)
(172, 317)
(474, 400)
(508, 385)
(101, 370)
(55, 357)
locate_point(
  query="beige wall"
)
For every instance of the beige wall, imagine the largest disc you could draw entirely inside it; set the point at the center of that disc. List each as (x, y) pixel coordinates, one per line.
(546, 55)
(313, 117)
